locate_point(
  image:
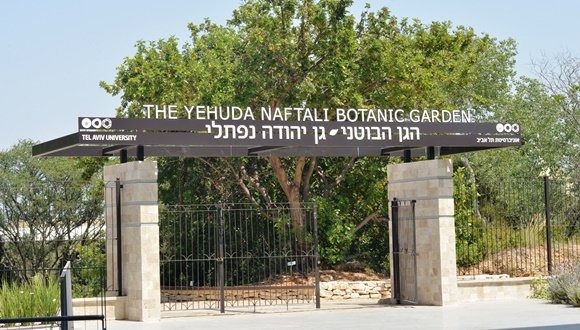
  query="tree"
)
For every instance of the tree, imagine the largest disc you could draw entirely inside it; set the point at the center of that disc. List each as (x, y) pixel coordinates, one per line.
(345, 195)
(313, 53)
(46, 209)
(560, 78)
(547, 110)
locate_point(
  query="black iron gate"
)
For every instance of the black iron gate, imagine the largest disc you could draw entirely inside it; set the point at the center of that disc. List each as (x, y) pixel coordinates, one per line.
(221, 256)
(404, 251)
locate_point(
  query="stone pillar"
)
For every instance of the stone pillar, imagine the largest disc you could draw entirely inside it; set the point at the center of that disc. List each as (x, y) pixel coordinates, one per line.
(139, 238)
(430, 183)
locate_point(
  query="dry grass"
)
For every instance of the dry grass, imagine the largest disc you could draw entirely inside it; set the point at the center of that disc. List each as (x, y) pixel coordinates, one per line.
(524, 261)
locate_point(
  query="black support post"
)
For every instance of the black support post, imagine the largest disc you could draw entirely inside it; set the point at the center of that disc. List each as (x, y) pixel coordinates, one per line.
(140, 153)
(407, 155)
(123, 156)
(430, 153)
(548, 225)
(118, 187)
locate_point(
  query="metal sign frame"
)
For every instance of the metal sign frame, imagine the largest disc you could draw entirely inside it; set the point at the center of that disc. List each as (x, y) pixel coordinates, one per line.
(104, 136)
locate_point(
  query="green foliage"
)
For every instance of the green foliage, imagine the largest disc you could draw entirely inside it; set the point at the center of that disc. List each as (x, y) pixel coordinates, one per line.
(411, 65)
(47, 207)
(284, 53)
(334, 234)
(501, 237)
(540, 288)
(39, 297)
(293, 52)
(551, 138)
(352, 208)
(371, 247)
(469, 229)
(89, 269)
(547, 110)
(182, 181)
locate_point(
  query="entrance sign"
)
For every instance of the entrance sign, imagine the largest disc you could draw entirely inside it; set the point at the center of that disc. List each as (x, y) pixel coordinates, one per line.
(285, 131)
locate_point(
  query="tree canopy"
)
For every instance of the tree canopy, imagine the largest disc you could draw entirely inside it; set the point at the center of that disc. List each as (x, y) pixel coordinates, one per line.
(317, 53)
(48, 206)
(314, 52)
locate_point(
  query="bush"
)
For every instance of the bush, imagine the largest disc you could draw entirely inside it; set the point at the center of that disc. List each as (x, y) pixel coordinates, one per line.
(540, 288)
(469, 229)
(564, 286)
(89, 270)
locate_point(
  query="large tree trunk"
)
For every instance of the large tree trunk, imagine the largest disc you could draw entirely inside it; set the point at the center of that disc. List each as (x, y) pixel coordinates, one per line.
(296, 191)
(292, 188)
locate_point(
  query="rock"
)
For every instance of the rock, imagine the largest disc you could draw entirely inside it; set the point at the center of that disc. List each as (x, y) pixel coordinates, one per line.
(338, 292)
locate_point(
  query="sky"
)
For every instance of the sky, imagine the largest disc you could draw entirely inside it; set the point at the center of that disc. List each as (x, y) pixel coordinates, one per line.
(55, 53)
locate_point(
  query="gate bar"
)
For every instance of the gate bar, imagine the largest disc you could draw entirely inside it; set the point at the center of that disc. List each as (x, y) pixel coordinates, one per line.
(118, 187)
(316, 258)
(395, 235)
(220, 259)
(413, 202)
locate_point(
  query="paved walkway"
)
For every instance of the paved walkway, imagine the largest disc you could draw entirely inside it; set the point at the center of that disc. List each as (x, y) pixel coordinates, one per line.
(499, 314)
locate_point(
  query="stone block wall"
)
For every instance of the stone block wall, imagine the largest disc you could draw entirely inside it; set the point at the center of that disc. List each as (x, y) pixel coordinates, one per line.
(140, 238)
(341, 290)
(493, 288)
(430, 183)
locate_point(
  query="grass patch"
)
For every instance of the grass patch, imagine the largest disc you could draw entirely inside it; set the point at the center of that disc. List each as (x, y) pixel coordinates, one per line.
(37, 297)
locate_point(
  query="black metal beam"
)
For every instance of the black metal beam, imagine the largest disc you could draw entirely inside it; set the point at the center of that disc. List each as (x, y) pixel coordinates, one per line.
(259, 150)
(59, 144)
(109, 151)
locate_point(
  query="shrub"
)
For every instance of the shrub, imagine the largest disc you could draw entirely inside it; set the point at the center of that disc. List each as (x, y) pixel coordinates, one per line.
(469, 229)
(540, 288)
(564, 286)
(89, 270)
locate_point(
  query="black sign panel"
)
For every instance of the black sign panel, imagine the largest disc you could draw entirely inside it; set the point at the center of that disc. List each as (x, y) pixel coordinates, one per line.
(101, 136)
(173, 132)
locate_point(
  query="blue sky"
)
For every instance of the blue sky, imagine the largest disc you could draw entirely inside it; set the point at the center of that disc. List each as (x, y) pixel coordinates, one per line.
(54, 53)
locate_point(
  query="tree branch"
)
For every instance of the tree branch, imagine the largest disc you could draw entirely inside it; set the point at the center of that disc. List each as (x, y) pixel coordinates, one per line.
(280, 173)
(373, 216)
(298, 169)
(330, 187)
(255, 181)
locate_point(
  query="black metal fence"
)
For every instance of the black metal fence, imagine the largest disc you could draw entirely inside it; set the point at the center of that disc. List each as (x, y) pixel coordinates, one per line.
(218, 256)
(520, 228)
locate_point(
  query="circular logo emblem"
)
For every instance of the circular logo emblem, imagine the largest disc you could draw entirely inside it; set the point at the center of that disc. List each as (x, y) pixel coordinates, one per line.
(86, 123)
(96, 123)
(508, 128)
(107, 123)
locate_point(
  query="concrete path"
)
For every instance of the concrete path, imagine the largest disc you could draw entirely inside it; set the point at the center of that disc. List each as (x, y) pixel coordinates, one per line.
(499, 314)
